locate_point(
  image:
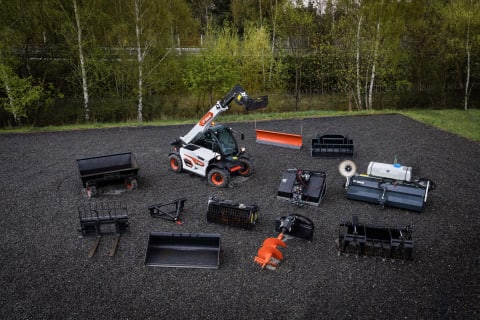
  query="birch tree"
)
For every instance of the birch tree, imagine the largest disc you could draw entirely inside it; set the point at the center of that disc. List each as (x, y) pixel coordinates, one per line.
(463, 27)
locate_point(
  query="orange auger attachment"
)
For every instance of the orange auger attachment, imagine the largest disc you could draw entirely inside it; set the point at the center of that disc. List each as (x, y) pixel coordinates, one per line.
(268, 255)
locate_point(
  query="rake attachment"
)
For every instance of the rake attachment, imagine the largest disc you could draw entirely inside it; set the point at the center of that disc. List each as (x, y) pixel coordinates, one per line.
(294, 225)
(373, 240)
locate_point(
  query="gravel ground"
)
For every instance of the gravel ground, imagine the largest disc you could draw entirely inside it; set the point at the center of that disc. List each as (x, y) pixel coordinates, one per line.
(46, 273)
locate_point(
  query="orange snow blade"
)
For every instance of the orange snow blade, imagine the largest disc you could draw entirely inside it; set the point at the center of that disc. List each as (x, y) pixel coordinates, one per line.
(280, 139)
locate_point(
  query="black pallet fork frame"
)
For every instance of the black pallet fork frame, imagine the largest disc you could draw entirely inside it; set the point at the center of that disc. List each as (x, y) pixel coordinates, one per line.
(103, 218)
(374, 240)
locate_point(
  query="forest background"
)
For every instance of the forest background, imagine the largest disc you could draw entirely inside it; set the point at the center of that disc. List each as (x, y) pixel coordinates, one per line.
(81, 61)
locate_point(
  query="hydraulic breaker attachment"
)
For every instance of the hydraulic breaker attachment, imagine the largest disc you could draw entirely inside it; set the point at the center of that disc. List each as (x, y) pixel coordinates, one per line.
(232, 214)
(268, 256)
(373, 240)
(170, 211)
(332, 145)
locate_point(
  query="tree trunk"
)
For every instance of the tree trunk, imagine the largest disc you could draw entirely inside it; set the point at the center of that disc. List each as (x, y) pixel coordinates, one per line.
(372, 78)
(82, 62)
(468, 49)
(140, 63)
(359, 94)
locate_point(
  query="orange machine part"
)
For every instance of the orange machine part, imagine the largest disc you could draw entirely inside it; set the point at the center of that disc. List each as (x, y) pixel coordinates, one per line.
(280, 139)
(268, 254)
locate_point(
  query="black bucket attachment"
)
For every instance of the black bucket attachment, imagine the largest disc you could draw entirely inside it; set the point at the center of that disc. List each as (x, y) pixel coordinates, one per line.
(404, 195)
(295, 225)
(171, 211)
(332, 145)
(114, 168)
(372, 240)
(232, 214)
(103, 218)
(303, 187)
(183, 250)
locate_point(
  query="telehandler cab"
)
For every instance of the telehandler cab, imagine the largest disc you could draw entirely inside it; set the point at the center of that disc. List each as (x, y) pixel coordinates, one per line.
(210, 150)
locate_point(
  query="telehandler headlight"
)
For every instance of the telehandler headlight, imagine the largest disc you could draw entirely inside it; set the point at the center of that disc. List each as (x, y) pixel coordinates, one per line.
(218, 157)
(242, 149)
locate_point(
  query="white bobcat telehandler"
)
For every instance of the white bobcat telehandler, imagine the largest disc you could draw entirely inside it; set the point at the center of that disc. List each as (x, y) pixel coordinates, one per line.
(210, 150)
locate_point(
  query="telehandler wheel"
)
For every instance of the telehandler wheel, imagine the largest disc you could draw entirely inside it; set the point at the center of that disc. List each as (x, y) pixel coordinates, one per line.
(175, 163)
(247, 167)
(218, 177)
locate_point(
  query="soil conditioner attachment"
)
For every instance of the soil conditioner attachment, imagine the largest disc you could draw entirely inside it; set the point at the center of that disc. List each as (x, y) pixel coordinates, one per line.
(387, 185)
(211, 150)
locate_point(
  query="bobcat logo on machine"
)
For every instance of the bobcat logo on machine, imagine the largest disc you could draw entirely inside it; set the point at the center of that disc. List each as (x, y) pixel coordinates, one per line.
(206, 118)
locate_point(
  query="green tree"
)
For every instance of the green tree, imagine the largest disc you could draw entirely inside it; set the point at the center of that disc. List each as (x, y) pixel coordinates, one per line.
(216, 69)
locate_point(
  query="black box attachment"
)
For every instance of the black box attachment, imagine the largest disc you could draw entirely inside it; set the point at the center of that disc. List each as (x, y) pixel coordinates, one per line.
(302, 187)
(230, 213)
(183, 250)
(108, 169)
(373, 240)
(332, 145)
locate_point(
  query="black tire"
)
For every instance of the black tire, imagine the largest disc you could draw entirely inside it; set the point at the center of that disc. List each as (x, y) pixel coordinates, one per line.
(218, 177)
(247, 167)
(175, 163)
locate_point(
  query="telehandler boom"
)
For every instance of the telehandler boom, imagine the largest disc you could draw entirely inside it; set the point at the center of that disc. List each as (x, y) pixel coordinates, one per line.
(210, 150)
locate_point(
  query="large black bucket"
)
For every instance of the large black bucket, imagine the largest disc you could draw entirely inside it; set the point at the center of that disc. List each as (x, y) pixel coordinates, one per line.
(183, 250)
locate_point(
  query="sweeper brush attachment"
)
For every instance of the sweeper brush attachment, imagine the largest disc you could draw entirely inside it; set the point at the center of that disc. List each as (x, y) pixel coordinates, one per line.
(372, 240)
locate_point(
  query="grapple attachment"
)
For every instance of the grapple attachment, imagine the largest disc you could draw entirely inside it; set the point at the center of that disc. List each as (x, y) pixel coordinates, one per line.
(332, 145)
(373, 240)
